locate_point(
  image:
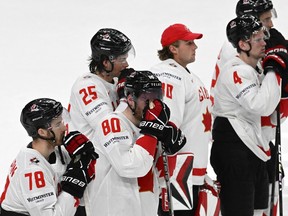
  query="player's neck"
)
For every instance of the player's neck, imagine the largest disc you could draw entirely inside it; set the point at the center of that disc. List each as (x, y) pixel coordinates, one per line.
(129, 115)
(248, 59)
(44, 147)
(106, 76)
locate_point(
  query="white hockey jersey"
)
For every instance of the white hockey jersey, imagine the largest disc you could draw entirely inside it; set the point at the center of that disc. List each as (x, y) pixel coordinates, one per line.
(241, 97)
(90, 100)
(190, 106)
(268, 123)
(121, 161)
(226, 53)
(32, 187)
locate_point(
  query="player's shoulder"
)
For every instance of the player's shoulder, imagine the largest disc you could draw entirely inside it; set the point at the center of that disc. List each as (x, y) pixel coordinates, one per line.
(275, 33)
(87, 79)
(29, 161)
(236, 67)
(169, 69)
(115, 127)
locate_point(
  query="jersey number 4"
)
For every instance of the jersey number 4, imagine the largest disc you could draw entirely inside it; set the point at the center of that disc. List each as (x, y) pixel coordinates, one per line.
(37, 177)
(236, 78)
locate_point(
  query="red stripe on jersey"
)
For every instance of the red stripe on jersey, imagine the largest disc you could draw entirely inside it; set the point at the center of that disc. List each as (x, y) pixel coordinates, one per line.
(284, 107)
(266, 121)
(199, 171)
(77, 202)
(5, 189)
(147, 142)
(268, 152)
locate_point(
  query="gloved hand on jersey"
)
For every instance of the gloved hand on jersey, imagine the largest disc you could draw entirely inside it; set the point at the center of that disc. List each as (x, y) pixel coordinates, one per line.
(77, 143)
(278, 62)
(156, 115)
(79, 173)
(173, 139)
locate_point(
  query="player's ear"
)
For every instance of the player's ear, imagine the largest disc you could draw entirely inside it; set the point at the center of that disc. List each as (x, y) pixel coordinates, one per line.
(244, 45)
(42, 132)
(173, 49)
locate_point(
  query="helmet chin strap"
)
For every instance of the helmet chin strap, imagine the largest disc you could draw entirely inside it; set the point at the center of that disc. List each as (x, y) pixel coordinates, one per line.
(53, 140)
(48, 139)
(248, 51)
(135, 101)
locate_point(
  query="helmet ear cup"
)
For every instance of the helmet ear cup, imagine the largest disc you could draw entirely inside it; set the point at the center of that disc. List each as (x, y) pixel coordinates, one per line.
(109, 42)
(38, 114)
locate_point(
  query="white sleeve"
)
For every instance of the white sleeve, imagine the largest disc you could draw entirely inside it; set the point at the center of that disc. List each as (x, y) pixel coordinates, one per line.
(252, 96)
(89, 100)
(39, 196)
(174, 93)
(129, 159)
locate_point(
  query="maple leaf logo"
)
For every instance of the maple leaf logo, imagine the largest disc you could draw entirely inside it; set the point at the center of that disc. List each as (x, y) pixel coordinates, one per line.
(207, 120)
(34, 160)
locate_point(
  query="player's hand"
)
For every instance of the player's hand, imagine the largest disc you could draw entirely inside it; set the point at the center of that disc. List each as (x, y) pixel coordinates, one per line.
(278, 62)
(173, 139)
(77, 143)
(79, 173)
(156, 114)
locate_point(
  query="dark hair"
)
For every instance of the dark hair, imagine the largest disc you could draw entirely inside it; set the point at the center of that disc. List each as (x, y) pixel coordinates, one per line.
(165, 52)
(95, 66)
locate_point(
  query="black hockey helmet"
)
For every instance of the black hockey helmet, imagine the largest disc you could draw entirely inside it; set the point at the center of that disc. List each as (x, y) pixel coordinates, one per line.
(255, 7)
(139, 82)
(244, 7)
(111, 43)
(242, 28)
(38, 114)
(121, 81)
(261, 6)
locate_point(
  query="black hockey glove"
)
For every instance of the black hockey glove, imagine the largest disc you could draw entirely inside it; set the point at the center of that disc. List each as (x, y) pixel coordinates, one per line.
(80, 171)
(278, 62)
(173, 139)
(156, 114)
(77, 143)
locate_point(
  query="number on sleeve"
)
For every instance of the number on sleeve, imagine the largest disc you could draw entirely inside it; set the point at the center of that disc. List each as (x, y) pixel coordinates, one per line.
(236, 78)
(111, 126)
(89, 94)
(167, 90)
(38, 177)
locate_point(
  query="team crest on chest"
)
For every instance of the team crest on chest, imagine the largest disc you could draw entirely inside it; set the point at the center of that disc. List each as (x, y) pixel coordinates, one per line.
(34, 160)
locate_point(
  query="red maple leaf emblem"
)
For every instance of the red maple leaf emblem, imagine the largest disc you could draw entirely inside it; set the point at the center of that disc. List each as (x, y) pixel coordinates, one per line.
(207, 120)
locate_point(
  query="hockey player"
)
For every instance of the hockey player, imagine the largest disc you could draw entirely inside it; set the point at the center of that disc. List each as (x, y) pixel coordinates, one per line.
(240, 150)
(127, 144)
(32, 185)
(188, 100)
(265, 11)
(93, 95)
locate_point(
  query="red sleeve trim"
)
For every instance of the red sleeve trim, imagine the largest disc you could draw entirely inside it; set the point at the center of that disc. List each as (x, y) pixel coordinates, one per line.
(147, 142)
